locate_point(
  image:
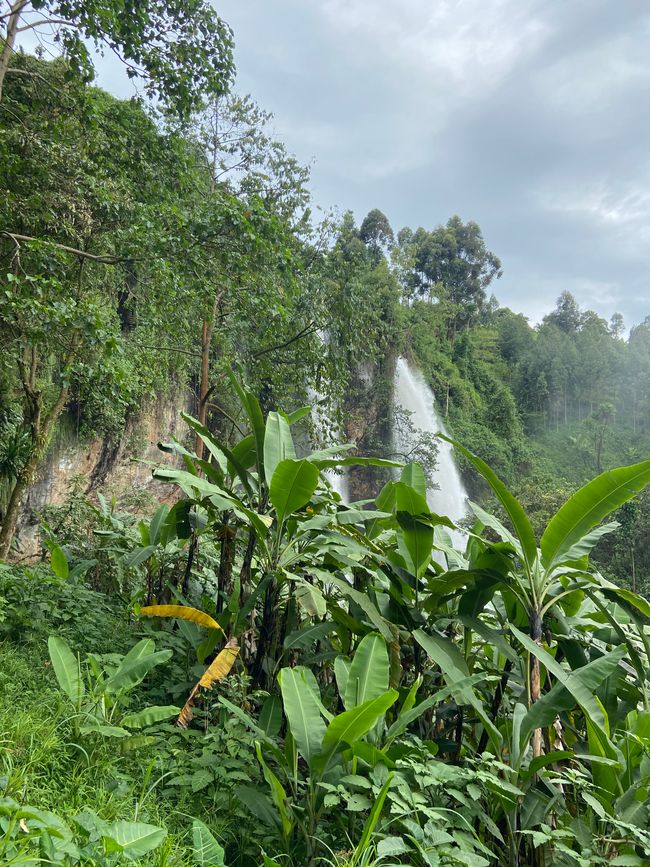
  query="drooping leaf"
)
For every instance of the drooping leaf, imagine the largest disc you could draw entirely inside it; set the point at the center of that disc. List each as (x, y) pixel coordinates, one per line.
(278, 794)
(520, 522)
(307, 635)
(183, 612)
(572, 681)
(562, 695)
(218, 669)
(137, 663)
(454, 668)
(589, 506)
(66, 668)
(149, 716)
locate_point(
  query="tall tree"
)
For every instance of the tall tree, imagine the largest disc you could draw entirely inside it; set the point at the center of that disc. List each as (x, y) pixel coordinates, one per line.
(181, 49)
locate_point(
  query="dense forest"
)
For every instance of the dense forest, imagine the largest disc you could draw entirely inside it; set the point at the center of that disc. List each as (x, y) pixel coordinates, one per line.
(241, 664)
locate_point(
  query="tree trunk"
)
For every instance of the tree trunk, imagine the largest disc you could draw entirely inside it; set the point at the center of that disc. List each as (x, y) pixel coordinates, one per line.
(9, 41)
(206, 339)
(41, 433)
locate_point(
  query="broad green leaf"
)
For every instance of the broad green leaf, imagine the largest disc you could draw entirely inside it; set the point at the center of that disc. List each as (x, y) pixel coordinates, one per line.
(292, 486)
(311, 599)
(136, 665)
(106, 731)
(206, 851)
(413, 476)
(297, 414)
(59, 562)
(585, 545)
(415, 541)
(369, 672)
(158, 520)
(66, 668)
(332, 463)
(351, 725)
(270, 718)
(589, 506)
(522, 526)
(407, 499)
(341, 673)
(135, 839)
(278, 444)
(302, 712)
(149, 716)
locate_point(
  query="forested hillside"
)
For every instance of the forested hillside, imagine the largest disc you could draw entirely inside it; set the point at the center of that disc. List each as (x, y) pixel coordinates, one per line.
(261, 669)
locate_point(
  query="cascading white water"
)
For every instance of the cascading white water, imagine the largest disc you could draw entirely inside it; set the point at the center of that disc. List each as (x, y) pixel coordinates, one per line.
(414, 395)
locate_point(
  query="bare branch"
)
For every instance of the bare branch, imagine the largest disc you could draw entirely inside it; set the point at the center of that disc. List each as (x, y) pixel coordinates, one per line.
(105, 259)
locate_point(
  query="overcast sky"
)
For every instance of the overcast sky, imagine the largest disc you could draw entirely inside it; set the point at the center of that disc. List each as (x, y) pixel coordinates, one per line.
(531, 117)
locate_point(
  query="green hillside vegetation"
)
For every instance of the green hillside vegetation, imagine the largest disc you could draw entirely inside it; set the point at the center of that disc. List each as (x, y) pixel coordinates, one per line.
(257, 672)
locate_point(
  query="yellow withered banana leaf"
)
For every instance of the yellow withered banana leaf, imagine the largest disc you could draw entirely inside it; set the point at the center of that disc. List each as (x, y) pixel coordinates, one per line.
(184, 612)
(217, 670)
(221, 665)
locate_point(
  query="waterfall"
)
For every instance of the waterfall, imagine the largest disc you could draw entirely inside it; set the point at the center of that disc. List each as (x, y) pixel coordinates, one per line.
(414, 395)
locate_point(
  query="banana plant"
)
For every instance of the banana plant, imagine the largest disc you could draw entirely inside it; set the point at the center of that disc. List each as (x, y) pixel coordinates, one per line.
(262, 492)
(551, 576)
(98, 689)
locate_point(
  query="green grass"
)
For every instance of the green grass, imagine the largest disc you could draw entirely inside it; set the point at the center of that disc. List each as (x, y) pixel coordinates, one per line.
(42, 765)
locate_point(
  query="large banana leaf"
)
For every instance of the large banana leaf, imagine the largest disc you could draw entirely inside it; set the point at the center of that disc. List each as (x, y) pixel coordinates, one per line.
(518, 517)
(278, 444)
(292, 486)
(66, 668)
(589, 506)
(369, 672)
(302, 712)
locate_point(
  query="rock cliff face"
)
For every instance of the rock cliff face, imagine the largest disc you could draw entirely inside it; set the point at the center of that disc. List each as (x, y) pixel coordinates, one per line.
(369, 411)
(115, 469)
